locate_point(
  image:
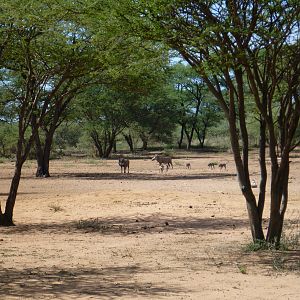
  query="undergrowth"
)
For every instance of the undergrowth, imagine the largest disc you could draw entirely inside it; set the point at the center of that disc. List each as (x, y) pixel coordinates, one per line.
(285, 256)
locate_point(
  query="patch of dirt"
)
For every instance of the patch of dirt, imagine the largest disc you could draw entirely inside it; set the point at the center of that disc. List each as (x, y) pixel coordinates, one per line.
(90, 232)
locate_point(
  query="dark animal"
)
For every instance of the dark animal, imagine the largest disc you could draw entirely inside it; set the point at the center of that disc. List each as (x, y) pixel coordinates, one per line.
(124, 164)
(212, 165)
(188, 165)
(223, 165)
(163, 160)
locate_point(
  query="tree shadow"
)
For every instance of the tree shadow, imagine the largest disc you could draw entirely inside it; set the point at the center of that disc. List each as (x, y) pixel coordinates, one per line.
(20, 193)
(144, 176)
(275, 260)
(120, 226)
(102, 283)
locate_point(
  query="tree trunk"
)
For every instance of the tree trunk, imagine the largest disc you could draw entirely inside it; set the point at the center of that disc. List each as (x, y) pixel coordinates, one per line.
(189, 138)
(201, 135)
(6, 218)
(181, 136)
(242, 164)
(145, 145)
(279, 198)
(194, 121)
(97, 143)
(43, 155)
(129, 141)
(189, 142)
(145, 141)
(109, 147)
(263, 169)
(115, 147)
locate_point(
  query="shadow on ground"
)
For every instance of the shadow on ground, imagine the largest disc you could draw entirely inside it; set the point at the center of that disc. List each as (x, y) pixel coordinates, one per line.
(101, 283)
(143, 176)
(157, 223)
(275, 260)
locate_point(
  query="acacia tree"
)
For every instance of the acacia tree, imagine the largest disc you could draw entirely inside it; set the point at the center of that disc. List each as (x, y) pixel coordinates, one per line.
(24, 88)
(158, 118)
(36, 69)
(91, 53)
(232, 44)
(190, 97)
(137, 102)
(103, 112)
(209, 115)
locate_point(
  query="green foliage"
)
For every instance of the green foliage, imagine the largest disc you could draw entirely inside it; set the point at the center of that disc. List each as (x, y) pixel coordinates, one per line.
(242, 269)
(259, 245)
(291, 234)
(197, 111)
(8, 139)
(67, 135)
(168, 152)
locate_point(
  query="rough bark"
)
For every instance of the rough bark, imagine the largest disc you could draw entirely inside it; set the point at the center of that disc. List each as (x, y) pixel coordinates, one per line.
(263, 169)
(6, 218)
(129, 141)
(43, 156)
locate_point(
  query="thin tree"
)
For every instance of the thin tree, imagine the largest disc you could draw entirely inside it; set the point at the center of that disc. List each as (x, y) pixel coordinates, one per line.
(233, 44)
(33, 71)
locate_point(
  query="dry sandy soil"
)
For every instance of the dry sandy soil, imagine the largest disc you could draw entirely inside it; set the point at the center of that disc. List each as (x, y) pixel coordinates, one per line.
(89, 232)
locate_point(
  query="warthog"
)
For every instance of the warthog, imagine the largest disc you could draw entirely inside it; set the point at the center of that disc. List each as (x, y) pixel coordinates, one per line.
(163, 160)
(212, 165)
(222, 165)
(124, 163)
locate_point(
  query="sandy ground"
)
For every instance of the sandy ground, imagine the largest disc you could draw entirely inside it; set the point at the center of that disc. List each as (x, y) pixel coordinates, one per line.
(89, 232)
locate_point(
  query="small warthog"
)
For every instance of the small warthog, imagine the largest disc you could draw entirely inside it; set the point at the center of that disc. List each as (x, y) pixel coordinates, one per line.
(163, 160)
(223, 166)
(212, 165)
(124, 163)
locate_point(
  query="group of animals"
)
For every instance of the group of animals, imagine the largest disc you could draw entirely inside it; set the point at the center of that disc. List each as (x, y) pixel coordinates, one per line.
(164, 162)
(221, 165)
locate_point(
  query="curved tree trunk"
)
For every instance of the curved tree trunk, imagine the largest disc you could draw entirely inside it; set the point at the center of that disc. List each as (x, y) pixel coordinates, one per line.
(201, 134)
(6, 218)
(95, 137)
(105, 147)
(242, 163)
(23, 148)
(129, 141)
(109, 147)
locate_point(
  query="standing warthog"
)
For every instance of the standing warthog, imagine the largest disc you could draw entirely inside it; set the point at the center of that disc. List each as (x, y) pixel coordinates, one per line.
(124, 163)
(223, 166)
(212, 165)
(163, 160)
(188, 165)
